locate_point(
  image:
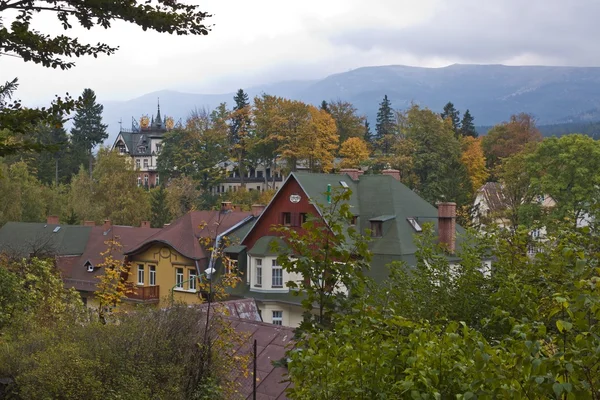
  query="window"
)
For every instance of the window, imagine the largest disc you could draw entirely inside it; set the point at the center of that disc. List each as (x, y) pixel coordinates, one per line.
(145, 179)
(277, 281)
(303, 218)
(145, 163)
(413, 222)
(258, 187)
(139, 181)
(535, 233)
(157, 180)
(137, 164)
(344, 185)
(158, 147)
(376, 229)
(277, 318)
(152, 275)
(89, 266)
(192, 280)
(286, 218)
(258, 272)
(354, 220)
(259, 174)
(140, 274)
(179, 278)
(230, 265)
(122, 149)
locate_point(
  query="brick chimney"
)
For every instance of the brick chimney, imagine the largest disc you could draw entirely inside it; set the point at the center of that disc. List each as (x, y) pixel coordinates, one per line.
(107, 225)
(257, 209)
(89, 223)
(354, 173)
(226, 206)
(52, 220)
(145, 224)
(394, 173)
(447, 225)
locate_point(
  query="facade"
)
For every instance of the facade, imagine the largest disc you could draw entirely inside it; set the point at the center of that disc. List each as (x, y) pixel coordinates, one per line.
(142, 143)
(259, 178)
(380, 203)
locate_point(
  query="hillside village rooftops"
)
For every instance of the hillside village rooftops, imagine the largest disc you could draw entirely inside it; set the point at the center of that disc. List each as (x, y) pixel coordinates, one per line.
(23, 239)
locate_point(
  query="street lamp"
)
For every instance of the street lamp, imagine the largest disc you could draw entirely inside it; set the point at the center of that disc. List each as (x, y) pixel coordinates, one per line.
(207, 272)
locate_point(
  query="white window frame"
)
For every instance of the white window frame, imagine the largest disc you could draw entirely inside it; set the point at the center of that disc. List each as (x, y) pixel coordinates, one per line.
(157, 180)
(279, 276)
(258, 265)
(141, 272)
(152, 275)
(179, 278)
(277, 317)
(146, 180)
(192, 282)
(138, 163)
(145, 163)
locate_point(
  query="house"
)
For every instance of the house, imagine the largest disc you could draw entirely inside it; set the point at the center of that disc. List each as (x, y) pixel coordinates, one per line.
(381, 203)
(142, 143)
(259, 177)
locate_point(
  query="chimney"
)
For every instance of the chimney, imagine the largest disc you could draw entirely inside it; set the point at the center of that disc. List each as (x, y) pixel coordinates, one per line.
(89, 223)
(107, 225)
(226, 206)
(447, 225)
(145, 224)
(52, 220)
(354, 173)
(257, 209)
(394, 173)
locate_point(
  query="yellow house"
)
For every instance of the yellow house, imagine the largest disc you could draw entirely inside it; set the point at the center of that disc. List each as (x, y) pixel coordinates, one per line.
(169, 265)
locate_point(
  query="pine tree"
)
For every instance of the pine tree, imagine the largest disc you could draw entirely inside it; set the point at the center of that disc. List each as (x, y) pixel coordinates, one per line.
(52, 163)
(454, 115)
(467, 128)
(160, 209)
(88, 130)
(368, 137)
(384, 128)
(325, 107)
(239, 131)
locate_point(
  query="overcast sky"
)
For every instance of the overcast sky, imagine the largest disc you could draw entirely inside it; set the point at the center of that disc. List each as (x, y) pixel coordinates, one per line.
(264, 41)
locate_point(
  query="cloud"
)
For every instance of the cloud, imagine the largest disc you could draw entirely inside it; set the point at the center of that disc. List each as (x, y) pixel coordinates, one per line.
(487, 32)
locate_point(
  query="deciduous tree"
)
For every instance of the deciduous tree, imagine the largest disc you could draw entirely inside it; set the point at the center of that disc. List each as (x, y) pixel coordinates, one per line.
(473, 159)
(347, 122)
(354, 152)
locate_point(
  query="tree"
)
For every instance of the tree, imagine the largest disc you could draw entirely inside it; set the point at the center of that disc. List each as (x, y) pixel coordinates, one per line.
(467, 128)
(453, 115)
(160, 209)
(196, 150)
(240, 132)
(384, 129)
(324, 106)
(330, 255)
(368, 135)
(347, 122)
(52, 164)
(112, 287)
(21, 195)
(568, 170)
(509, 138)
(88, 130)
(473, 159)
(267, 123)
(182, 196)
(354, 151)
(323, 141)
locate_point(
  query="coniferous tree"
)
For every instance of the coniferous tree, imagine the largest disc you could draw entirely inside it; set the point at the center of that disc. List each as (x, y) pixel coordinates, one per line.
(368, 137)
(88, 130)
(160, 209)
(384, 129)
(467, 128)
(454, 115)
(240, 130)
(324, 106)
(52, 163)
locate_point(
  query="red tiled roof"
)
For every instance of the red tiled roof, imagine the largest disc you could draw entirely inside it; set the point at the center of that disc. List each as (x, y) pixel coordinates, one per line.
(272, 342)
(73, 269)
(200, 223)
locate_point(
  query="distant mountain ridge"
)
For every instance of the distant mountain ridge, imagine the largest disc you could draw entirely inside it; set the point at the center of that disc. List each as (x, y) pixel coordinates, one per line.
(491, 92)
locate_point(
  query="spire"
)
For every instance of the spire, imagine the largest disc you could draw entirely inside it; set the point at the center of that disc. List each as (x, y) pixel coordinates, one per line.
(158, 120)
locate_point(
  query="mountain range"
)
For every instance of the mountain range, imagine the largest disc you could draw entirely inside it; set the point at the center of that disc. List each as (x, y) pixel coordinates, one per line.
(492, 93)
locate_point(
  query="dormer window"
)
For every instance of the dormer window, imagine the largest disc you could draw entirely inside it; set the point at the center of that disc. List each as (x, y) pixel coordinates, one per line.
(89, 266)
(354, 220)
(376, 229)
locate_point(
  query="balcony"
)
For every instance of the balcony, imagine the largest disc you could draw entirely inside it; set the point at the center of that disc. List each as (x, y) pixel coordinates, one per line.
(143, 294)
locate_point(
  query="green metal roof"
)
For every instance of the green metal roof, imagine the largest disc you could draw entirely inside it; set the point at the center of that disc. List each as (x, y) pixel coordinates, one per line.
(382, 218)
(24, 238)
(263, 246)
(234, 249)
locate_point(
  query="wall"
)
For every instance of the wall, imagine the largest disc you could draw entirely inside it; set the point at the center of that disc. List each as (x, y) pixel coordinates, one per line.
(281, 203)
(166, 260)
(267, 268)
(292, 315)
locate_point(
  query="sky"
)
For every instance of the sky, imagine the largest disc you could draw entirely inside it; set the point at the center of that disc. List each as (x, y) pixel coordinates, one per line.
(266, 41)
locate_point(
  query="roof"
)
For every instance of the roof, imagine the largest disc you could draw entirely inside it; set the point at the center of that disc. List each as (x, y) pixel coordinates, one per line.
(75, 272)
(272, 342)
(263, 246)
(25, 238)
(493, 196)
(240, 308)
(183, 235)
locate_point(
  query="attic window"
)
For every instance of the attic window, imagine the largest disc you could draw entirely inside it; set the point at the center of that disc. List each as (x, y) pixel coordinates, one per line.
(376, 229)
(344, 185)
(413, 222)
(354, 220)
(56, 229)
(88, 265)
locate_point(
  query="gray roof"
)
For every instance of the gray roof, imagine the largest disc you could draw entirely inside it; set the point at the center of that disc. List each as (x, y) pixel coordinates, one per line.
(25, 238)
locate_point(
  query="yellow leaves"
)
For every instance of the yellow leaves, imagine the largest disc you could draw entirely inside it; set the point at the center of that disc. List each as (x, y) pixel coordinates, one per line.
(112, 287)
(354, 152)
(169, 123)
(474, 161)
